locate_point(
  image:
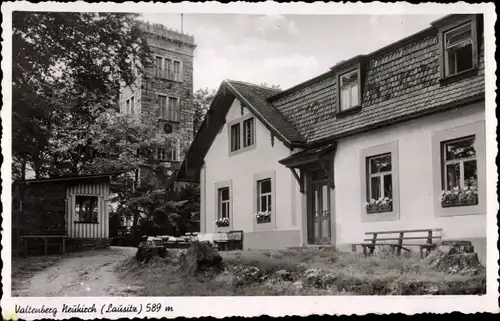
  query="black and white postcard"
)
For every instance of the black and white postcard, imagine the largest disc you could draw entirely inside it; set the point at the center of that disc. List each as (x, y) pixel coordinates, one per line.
(247, 159)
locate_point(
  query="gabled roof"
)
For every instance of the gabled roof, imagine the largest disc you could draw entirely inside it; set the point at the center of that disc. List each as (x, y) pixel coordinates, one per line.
(65, 178)
(253, 97)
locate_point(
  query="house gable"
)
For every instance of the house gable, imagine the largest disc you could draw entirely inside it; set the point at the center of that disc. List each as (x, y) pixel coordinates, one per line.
(252, 98)
(237, 114)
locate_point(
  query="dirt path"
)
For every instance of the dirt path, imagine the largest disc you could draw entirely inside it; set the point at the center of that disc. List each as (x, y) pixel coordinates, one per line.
(88, 273)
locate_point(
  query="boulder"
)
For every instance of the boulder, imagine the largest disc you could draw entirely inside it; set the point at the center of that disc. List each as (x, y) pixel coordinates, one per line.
(201, 256)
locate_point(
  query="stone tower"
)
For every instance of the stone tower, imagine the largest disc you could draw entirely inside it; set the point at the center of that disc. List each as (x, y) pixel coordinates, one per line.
(166, 88)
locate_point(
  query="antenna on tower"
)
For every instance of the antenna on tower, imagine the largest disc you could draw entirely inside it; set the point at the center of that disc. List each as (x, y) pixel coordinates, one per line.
(182, 23)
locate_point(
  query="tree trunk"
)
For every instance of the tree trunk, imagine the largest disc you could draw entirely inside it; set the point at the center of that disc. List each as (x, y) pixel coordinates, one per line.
(135, 235)
(23, 168)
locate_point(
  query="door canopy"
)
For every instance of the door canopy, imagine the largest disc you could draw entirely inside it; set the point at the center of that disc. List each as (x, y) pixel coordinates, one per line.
(322, 156)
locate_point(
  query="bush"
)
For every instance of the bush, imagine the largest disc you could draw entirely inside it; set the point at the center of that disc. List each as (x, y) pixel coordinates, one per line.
(247, 275)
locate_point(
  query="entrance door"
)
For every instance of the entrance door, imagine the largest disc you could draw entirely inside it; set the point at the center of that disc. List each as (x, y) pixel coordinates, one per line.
(319, 218)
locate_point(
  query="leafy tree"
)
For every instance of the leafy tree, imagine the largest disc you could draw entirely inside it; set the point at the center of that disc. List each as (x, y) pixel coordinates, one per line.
(265, 84)
(202, 99)
(128, 144)
(66, 70)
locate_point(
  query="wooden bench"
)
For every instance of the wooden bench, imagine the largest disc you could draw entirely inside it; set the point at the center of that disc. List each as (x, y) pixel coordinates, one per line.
(401, 240)
(45, 239)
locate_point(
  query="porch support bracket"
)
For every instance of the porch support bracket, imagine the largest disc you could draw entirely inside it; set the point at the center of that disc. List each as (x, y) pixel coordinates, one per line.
(299, 178)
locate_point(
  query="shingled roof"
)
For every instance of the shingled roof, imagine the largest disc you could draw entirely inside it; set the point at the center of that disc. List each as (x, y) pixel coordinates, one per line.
(400, 82)
(256, 97)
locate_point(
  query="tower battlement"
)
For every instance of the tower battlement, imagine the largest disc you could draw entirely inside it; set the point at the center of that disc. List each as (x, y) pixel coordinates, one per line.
(167, 33)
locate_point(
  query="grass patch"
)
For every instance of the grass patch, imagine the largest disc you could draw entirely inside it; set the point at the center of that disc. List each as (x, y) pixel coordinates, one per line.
(298, 272)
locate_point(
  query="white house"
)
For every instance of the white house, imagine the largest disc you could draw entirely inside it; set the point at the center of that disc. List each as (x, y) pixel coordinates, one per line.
(403, 126)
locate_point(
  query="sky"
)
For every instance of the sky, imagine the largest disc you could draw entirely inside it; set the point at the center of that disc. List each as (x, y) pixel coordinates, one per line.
(283, 50)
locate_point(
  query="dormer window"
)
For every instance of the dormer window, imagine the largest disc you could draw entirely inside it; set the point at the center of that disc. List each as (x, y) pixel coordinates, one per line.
(349, 90)
(458, 52)
(458, 41)
(349, 86)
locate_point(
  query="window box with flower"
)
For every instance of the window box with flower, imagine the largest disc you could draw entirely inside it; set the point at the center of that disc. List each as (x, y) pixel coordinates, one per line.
(381, 205)
(466, 196)
(263, 217)
(222, 222)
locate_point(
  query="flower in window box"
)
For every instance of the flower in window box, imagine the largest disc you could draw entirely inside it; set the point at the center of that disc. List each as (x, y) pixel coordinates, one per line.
(459, 196)
(383, 204)
(223, 221)
(263, 217)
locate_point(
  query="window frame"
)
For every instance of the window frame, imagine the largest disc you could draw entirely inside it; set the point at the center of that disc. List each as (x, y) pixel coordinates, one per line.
(460, 161)
(369, 153)
(449, 27)
(77, 217)
(218, 186)
(476, 129)
(267, 195)
(129, 105)
(244, 131)
(240, 121)
(235, 143)
(223, 202)
(339, 74)
(258, 177)
(177, 141)
(170, 75)
(167, 102)
(381, 175)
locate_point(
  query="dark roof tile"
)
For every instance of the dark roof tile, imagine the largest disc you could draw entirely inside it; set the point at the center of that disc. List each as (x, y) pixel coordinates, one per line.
(396, 84)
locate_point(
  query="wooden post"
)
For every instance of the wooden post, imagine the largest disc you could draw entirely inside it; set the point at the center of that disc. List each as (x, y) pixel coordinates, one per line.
(429, 237)
(374, 240)
(64, 245)
(429, 241)
(25, 241)
(45, 245)
(400, 243)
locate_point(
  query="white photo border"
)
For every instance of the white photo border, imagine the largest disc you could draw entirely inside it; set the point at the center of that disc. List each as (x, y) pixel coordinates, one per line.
(256, 306)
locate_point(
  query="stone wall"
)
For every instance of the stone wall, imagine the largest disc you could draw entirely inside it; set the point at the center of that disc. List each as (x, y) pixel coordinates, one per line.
(169, 43)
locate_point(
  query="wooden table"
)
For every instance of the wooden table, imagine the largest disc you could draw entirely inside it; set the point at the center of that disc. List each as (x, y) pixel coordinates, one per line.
(44, 238)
